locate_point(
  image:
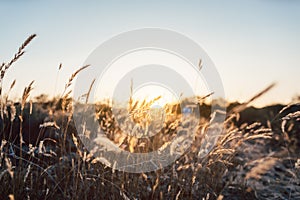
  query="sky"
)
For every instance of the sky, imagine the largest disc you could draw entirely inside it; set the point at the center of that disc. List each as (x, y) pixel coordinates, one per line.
(252, 43)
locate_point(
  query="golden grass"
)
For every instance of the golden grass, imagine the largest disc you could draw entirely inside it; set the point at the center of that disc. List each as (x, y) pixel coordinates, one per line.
(249, 161)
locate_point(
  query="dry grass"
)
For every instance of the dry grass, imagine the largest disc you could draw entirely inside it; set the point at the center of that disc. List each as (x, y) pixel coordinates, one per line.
(249, 161)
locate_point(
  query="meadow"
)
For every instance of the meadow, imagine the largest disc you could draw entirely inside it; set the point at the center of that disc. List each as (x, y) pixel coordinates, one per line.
(256, 156)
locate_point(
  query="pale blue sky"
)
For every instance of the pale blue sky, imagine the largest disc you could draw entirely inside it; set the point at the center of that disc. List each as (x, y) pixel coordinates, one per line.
(252, 43)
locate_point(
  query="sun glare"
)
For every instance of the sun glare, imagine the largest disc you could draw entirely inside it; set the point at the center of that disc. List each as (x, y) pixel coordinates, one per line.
(152, 91)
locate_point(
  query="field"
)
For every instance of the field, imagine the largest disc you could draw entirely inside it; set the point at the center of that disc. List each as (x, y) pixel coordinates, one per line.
(256, 156)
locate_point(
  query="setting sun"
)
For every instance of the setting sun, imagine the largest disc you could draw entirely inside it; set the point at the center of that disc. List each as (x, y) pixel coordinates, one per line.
(150, 100)
(152, 91)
